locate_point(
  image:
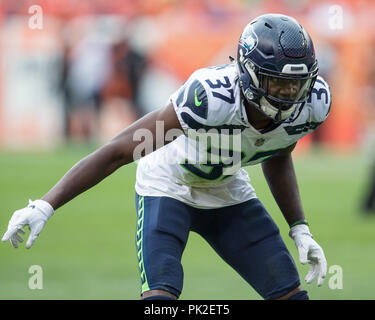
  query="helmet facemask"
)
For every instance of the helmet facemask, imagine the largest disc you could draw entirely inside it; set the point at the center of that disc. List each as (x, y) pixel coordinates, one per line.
(277, 95)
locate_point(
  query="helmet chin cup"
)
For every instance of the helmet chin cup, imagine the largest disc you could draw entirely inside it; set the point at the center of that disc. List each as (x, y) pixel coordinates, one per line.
(275, 113)
(266, 108)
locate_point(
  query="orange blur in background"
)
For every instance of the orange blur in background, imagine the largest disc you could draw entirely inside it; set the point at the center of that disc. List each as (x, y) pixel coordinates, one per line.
(94, 67)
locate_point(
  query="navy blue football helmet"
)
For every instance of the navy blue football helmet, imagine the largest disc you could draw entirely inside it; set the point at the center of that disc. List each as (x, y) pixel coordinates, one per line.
(277, 66)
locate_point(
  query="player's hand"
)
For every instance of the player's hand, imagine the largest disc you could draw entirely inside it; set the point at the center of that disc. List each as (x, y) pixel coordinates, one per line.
(35, 215)
(309, 251)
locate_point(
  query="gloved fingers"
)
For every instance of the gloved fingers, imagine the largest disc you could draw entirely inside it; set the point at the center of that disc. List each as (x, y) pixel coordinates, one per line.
(31, 240)
(318, 267)
(34, 234)
(12, 230)
(320, 280)
(322, 271)
(9, 233)
(17, 237)
(313, 272)
(14, 242)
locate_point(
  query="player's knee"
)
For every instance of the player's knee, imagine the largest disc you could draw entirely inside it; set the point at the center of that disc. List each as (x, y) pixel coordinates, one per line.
(164, 276)
(296, 294)
(300, 295)
(158, 295)
(170, 272)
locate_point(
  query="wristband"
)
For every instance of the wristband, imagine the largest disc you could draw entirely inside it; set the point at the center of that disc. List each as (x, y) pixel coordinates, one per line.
(302, 221)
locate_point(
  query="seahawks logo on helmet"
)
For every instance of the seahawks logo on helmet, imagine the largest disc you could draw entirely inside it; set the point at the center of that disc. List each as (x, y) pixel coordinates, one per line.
(249, 39)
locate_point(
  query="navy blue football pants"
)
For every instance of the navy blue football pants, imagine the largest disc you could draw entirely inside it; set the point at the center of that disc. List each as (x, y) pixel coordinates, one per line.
(244, 235)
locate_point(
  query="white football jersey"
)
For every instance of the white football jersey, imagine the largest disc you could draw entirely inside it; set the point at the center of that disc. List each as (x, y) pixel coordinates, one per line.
(207, 173)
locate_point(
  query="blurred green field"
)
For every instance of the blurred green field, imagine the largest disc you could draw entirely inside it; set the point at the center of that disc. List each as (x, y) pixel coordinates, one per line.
(87, 250)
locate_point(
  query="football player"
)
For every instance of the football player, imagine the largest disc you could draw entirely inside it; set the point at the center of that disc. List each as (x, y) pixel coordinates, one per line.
(267, 99)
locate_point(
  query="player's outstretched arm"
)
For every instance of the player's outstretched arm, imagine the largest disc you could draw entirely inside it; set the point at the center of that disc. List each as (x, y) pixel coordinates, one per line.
(87, 173)
(281, 178)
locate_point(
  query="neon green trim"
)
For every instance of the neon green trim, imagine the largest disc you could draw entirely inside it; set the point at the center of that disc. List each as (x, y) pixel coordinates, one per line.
(303, 221)
(197, 102)
(139, 243)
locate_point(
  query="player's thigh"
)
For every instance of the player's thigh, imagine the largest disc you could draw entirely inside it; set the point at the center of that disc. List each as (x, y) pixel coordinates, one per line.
(247, 238)
(162, 230)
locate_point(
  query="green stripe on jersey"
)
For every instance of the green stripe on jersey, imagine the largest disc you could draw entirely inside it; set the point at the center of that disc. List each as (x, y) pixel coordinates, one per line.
(140, 244)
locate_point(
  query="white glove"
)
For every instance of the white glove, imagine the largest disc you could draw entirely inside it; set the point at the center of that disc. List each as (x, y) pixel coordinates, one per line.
(309, 251)
(35, 215)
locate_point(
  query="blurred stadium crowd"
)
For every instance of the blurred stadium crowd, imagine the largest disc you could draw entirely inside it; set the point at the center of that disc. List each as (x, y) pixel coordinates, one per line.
(95, 66)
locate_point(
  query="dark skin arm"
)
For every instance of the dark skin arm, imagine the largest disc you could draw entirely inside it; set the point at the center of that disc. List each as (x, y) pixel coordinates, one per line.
(281, 178)
(107, 159)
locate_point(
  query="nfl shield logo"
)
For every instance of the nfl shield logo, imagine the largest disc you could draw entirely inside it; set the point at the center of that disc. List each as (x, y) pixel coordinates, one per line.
(259, 142)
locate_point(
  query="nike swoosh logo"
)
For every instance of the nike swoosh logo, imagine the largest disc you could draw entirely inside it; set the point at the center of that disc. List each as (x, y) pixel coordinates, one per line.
(197, 102)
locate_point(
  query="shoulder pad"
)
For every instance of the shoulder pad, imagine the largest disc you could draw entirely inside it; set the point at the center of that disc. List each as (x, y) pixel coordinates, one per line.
(207, 99)
(193, 96)
(320, 100)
